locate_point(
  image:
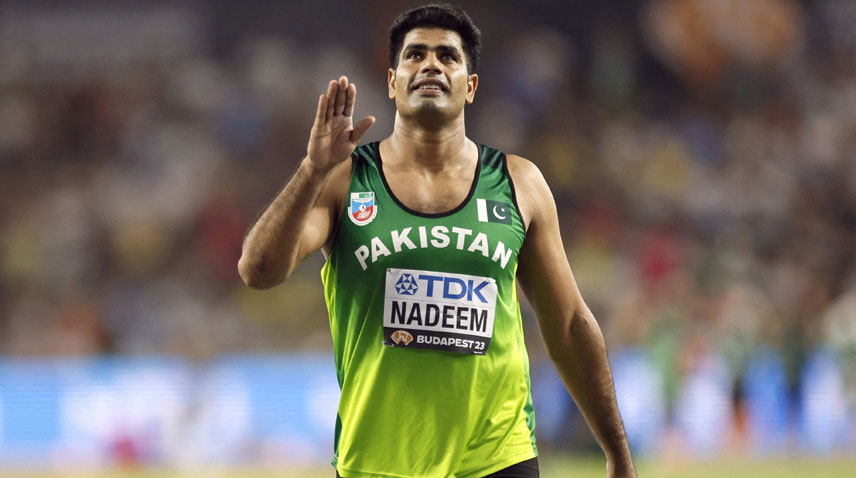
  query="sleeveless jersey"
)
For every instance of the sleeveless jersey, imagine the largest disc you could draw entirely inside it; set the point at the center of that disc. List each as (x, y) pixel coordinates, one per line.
(426, 328)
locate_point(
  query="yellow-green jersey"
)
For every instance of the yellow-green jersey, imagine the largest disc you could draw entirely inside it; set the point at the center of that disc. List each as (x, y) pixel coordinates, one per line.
(427, 331)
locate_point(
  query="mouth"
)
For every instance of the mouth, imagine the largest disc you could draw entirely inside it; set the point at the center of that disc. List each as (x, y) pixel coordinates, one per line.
(429, 86)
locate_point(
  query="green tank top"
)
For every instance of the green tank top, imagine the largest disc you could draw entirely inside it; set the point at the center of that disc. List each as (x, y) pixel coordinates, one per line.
(426, 328)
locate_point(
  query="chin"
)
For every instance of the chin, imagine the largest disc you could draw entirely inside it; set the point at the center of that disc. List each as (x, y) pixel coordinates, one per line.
(430, 109)
(428, 112)
(427, 107)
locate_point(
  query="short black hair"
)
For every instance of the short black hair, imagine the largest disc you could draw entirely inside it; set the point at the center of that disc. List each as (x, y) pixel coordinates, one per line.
(436, 15)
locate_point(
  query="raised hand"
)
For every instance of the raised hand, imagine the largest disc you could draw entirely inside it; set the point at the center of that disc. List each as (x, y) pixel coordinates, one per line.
(333, 137)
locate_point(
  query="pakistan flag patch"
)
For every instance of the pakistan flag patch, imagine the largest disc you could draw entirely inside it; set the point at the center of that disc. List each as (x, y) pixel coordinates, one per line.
(493, 211)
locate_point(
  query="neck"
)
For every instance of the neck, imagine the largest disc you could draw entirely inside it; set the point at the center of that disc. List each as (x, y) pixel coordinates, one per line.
(429, 147)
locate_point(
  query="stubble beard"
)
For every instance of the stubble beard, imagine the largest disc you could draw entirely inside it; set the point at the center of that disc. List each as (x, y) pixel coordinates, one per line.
(429, 115)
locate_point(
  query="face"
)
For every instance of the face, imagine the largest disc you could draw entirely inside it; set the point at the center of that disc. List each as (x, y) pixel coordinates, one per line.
(431, 77)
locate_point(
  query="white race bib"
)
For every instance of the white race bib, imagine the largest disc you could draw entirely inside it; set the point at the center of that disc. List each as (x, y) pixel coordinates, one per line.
(438, 310)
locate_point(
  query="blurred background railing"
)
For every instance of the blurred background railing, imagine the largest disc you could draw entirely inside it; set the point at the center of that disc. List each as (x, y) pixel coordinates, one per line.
(701, 154)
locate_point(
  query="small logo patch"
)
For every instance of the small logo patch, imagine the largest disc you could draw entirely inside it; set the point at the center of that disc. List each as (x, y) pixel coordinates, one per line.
(401, 336)
(362, 209)
(493, 211)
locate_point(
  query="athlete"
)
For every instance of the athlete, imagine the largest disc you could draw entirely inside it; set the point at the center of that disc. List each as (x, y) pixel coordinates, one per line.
(426, 235)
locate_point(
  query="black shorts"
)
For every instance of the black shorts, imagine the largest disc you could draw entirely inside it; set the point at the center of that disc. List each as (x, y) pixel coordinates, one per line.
(524, 469)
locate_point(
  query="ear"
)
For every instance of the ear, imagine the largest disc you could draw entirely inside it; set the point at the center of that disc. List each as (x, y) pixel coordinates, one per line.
(390, 83)
(472, 85)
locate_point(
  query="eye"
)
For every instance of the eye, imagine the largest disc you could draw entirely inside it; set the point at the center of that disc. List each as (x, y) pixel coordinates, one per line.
(414, 55)
(448, 57)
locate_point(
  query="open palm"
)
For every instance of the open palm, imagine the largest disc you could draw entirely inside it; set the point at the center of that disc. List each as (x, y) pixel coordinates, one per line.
(333, 137)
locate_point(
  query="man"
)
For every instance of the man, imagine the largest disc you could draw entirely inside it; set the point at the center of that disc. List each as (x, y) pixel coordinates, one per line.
(425, 235)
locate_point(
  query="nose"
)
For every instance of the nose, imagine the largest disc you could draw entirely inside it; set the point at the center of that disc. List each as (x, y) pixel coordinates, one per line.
(431, 64)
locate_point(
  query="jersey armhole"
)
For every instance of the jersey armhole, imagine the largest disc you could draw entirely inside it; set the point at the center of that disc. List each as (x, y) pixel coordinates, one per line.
(513, 191)
(344, 204)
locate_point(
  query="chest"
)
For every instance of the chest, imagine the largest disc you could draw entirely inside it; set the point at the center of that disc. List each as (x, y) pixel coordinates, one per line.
(430, 194)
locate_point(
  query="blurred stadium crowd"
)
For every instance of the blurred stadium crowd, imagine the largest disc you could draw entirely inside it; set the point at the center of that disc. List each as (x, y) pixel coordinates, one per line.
(702, 154)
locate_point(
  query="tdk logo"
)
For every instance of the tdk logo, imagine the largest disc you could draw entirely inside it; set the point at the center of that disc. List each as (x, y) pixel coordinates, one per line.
(442, 286)
(406, 285)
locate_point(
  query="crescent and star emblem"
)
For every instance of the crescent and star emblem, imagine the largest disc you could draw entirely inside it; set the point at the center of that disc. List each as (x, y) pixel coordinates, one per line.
(498, 216)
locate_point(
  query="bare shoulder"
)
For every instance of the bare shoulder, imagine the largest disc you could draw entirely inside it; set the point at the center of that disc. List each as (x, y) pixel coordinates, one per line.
(521, 167)
(533, 193)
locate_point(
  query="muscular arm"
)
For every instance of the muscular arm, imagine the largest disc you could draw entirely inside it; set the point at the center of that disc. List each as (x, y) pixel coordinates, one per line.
(570, 332)
(300, 220)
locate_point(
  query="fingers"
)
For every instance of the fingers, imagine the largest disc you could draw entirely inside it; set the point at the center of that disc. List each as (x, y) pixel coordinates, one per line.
(341, 95)
(349, 100)
(339, 100)
(361, 128)
(321, 114)
(332, 89)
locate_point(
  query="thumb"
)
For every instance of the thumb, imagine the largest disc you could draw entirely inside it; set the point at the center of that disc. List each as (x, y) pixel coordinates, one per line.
(361, 128)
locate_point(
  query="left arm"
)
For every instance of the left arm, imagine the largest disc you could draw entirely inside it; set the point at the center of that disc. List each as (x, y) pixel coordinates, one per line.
(570, 332)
